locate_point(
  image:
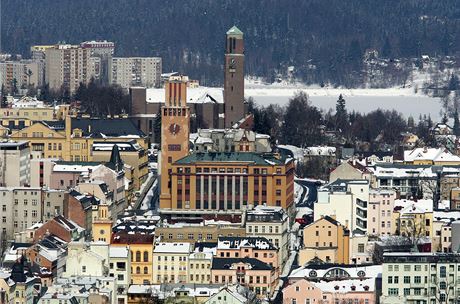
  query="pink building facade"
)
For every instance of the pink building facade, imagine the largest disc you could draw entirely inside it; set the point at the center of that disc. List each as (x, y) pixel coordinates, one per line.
(379, 212)
(256, 275)
(247, 247)
(330, 292)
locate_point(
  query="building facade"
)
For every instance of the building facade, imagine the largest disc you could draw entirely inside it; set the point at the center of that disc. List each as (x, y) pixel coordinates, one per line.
(14, 164)
(327, 240)
(135, 71)
(420, 277)
(69, 65)
(234, 77)
(171, 262)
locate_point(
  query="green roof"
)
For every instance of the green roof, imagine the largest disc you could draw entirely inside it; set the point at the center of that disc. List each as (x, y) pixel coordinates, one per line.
(266, 159)
(234, 31)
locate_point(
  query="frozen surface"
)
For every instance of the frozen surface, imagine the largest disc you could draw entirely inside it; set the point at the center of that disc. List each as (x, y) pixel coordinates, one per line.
(360, 100)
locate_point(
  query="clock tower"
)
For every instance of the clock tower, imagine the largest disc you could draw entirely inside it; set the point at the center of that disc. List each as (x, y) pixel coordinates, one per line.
(234, 77)
(175, 131)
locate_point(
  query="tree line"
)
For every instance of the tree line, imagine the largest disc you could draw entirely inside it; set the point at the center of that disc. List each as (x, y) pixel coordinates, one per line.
(324, 40)
(301, 124)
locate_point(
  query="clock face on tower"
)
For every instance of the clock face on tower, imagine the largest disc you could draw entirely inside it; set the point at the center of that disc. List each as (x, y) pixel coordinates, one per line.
(174, 129)
(232, 64)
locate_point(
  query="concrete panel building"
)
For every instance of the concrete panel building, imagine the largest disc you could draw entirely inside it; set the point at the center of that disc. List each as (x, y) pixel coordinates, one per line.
(135, 71)
(69, 65)
(14, 164)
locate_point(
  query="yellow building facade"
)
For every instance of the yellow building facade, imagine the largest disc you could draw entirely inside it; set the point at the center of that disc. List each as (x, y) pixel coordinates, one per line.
(141, 250)
(327, 240)
(74, 140)
(101, 224)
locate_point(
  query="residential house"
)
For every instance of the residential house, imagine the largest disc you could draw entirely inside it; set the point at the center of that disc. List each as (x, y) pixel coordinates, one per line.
(249, 247)
(258, 276)
(325, 239)
(412, 276)
(352, 170)
(120, 268)
(60, 227)
(171, 261)
(347, 200)
(271, 223)
(380, 212)
(141, 252)
(343, 291)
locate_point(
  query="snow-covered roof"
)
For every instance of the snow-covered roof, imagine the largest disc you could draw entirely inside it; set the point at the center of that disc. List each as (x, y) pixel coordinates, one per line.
(367, 271)
(259, 243)
(432, 154)
(402, 172)
(448, 217)
(409, 206)
(194, 95)
(118, 252)
(172, 248)
(346, 286)
(77, 168)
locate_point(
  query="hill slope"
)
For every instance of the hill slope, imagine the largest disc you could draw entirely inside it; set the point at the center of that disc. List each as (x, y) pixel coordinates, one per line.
(332, 35)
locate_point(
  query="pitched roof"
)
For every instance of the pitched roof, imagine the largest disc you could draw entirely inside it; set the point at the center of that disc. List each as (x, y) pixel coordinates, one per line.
(226, 263)
(115, 163)
(108, 127)
(260, 243)
(234, 31)
(246, 157)
(132, 238)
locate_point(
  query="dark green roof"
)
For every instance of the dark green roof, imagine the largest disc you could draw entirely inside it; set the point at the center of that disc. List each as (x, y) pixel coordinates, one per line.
(266, 159)
(234, 31)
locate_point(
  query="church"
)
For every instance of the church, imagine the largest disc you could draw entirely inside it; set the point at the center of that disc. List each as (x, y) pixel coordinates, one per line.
(213, 183)
(210, 108)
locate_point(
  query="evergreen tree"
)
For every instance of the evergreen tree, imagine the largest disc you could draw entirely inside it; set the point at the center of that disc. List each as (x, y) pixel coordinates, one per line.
(341, 116)
(410, 123)
(157, 127)
(456, 123)
(453, 83)
(444, 119)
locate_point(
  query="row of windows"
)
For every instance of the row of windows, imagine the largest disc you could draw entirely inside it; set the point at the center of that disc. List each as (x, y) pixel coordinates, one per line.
(190, 236)
(336, 301)
(165, 267)
(180, 259)
(262, 229)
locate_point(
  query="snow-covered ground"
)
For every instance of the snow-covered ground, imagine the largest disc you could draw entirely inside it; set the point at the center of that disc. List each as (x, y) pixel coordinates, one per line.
(145, 205)
(403, 100)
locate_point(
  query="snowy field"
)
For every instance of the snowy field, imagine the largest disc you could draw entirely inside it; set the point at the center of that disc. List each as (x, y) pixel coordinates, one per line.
(360, 100)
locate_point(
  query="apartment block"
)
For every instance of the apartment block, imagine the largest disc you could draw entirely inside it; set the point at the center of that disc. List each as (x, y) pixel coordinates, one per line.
(347, 200)
(271, 223)
(380, 212)
(20, 209)
(14, 164)
(413, 277)
(17, 75)
(171, 261)
(69, 65)
(135, 71)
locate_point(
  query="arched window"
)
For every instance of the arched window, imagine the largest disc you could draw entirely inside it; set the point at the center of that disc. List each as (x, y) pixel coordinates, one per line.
(138, 270)
(337, 273)
(146, 270)
(138, 256)
(146, 256)
(132, 256)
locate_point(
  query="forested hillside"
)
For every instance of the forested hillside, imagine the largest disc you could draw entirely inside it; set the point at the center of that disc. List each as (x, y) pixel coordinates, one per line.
(324, 39)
